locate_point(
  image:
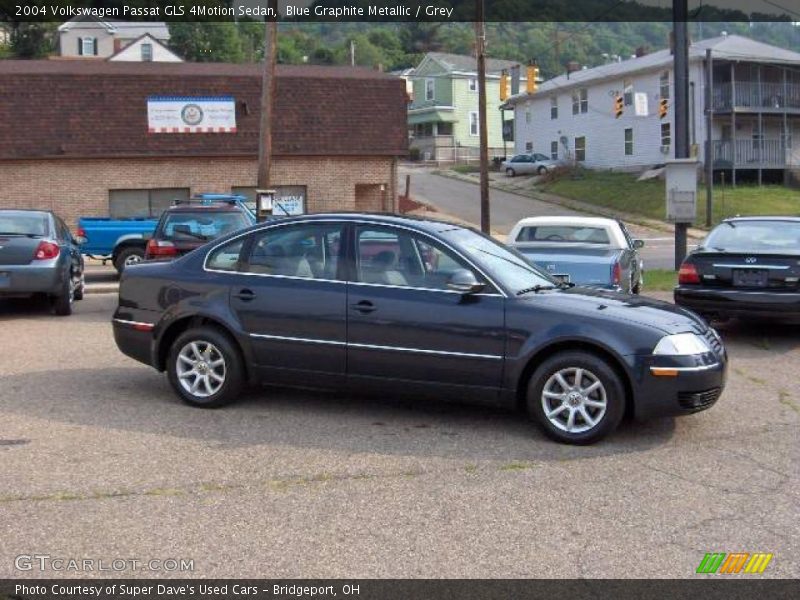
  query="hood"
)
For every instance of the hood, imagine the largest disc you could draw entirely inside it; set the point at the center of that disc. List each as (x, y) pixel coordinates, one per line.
(608, 305)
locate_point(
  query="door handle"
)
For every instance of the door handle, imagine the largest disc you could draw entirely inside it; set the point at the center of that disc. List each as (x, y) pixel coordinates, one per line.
(245, 295)
(365, 306)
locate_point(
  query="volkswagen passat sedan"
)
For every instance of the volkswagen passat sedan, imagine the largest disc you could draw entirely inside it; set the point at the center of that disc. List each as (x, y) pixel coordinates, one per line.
(384, 303)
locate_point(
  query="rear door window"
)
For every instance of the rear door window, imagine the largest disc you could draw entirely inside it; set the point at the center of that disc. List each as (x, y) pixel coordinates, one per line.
(310, 251)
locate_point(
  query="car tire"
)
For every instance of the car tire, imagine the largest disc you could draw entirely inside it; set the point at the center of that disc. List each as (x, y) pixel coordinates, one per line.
(62, 303)
(562, 406)
(128, 256)
(541, 170)
(193, 364)
(80, 288)
(510, 172)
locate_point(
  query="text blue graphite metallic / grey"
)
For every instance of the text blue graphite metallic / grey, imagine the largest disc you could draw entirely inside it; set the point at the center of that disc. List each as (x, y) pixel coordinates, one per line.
(387, 303)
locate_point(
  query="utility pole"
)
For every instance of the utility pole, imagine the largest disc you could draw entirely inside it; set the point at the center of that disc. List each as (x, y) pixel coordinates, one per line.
(680, 15)
(709, 143)
(267, 96)
(480, 51)
(352, 53)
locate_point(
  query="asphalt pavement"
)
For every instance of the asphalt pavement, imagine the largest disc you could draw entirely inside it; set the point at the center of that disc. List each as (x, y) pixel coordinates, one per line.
(100, 460)
(462, 200)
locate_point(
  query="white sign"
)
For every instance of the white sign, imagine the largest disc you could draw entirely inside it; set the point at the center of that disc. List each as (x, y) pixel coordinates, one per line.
(289, 200)
(174, 114)
(640, 104)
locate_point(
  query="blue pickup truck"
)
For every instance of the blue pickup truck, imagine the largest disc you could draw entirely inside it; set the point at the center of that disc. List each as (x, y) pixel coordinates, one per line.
(123, 240)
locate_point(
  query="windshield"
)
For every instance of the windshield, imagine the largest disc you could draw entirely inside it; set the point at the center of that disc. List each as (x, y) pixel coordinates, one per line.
(779, 237)
(570, 234)
(506, 266)
(21, 223)
(201, 226)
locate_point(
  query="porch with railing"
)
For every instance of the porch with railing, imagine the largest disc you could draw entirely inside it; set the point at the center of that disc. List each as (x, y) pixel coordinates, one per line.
(751, 154)
(770, 96)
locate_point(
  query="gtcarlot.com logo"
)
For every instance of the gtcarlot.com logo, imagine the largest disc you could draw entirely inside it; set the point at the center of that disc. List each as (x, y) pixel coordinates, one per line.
(733, 563)
(45, 562)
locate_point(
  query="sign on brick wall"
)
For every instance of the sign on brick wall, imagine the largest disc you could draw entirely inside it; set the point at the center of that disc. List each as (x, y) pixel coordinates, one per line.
(179, 114)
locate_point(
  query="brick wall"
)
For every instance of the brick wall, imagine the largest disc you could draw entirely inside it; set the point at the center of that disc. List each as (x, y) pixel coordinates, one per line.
(75, 188)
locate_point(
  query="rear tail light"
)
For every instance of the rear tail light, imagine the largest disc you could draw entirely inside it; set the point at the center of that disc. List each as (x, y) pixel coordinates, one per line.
(46, 251)
(616, 274)
(161, 248)
(688, 274)
(81, 232)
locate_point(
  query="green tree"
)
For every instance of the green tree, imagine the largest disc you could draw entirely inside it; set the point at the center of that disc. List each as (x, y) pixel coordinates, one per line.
(33, 40)
(207, 42)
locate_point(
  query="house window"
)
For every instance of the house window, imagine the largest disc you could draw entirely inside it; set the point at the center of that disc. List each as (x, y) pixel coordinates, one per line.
(663, 85)
(580, 101)
(527, 116)
(473, 84)
(554, 150)
(666, 135)
(473, 123)
(629, 142)
(554, 107)
(627, 95)
(580, 149)
(143, 202)
(529, 147)
(147, 52)
(87, 46)
(429, 89)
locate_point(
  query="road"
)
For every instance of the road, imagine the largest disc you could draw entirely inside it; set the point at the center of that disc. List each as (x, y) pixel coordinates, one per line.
(462, 200)
(99, 460)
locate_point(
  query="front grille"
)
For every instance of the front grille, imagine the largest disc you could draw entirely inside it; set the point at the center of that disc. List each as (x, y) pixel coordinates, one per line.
(714, 342)
(699, 400)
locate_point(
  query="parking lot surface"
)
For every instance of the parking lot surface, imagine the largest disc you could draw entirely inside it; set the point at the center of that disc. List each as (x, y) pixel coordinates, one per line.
(99, 459)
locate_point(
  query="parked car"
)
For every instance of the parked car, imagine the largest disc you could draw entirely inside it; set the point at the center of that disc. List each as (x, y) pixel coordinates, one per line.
(529, 164)
(189, 224)
(588, 251)
(394, 304)
(39, 256)
(747, 267)
(123, 240)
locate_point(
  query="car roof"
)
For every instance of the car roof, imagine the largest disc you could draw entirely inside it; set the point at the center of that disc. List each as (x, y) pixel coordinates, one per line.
(565, 220)
(216, 206)
(422, 223)
(788, 218)
(28, 211)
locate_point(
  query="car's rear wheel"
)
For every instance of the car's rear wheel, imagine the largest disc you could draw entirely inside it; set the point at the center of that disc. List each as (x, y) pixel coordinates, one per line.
(80, 286)
(510, 172)
(541, 170)
(205, 368)
(127, 257)
(62, 303)
(576, 397)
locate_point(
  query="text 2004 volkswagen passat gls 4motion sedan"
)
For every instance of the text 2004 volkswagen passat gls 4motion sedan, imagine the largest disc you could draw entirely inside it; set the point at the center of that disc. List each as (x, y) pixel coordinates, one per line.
(415, 306)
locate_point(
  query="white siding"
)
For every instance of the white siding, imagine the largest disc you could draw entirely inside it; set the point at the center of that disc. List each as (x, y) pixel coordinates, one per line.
(605, 134)
(133, 52)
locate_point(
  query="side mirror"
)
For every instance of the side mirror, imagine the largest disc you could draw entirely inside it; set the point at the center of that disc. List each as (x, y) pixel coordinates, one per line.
(464, 281)
(638, 244)
(80, 239)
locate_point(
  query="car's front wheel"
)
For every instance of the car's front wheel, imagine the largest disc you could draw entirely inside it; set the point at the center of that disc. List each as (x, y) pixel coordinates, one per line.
(541, 170)
(510, 172)
(577, 397)
(205, 368)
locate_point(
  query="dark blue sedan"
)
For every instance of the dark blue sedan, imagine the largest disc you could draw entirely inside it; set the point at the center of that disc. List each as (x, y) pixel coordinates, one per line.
(394, 304)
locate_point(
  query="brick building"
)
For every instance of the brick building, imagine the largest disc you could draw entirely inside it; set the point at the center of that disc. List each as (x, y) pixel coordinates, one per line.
(74, 136)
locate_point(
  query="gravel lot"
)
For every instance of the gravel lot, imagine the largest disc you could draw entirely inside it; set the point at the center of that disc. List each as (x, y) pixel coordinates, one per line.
(100, 460)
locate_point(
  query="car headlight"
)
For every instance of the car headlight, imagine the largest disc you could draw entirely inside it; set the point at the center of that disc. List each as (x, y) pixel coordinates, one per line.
(681, 344)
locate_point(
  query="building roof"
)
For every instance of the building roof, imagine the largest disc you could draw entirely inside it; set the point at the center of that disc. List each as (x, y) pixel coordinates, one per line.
(131, 47)
(727, 47)
(469, 64)
(122, 29)
(76, 109)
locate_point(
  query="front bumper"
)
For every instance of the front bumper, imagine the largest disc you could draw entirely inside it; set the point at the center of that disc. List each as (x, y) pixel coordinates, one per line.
(24, 280)
(674, 390)
(743, 304)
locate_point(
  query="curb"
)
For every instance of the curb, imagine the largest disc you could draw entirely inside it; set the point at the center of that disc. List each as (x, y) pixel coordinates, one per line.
(579, 206)
(102, 289)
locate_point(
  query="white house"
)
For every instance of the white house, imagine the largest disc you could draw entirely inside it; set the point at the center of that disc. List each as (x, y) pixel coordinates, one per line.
(90, 37)
(145, 49)
(754, 96)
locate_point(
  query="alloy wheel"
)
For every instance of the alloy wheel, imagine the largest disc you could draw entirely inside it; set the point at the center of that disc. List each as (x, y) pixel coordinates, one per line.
(133, 259)
(574, 400)
(201, 368)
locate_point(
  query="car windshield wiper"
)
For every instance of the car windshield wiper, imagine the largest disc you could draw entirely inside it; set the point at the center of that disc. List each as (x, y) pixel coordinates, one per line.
(30, 235)
(536, 289)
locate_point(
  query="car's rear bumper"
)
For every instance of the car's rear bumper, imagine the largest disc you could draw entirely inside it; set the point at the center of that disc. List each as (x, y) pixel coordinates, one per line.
(22, 280)
(135, 339)
(688, 390)
(740, 303)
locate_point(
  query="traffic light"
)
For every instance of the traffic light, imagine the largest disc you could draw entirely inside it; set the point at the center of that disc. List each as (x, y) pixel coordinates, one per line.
(532, 77)
(663, 108)
(504, 86)
(619, 106)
